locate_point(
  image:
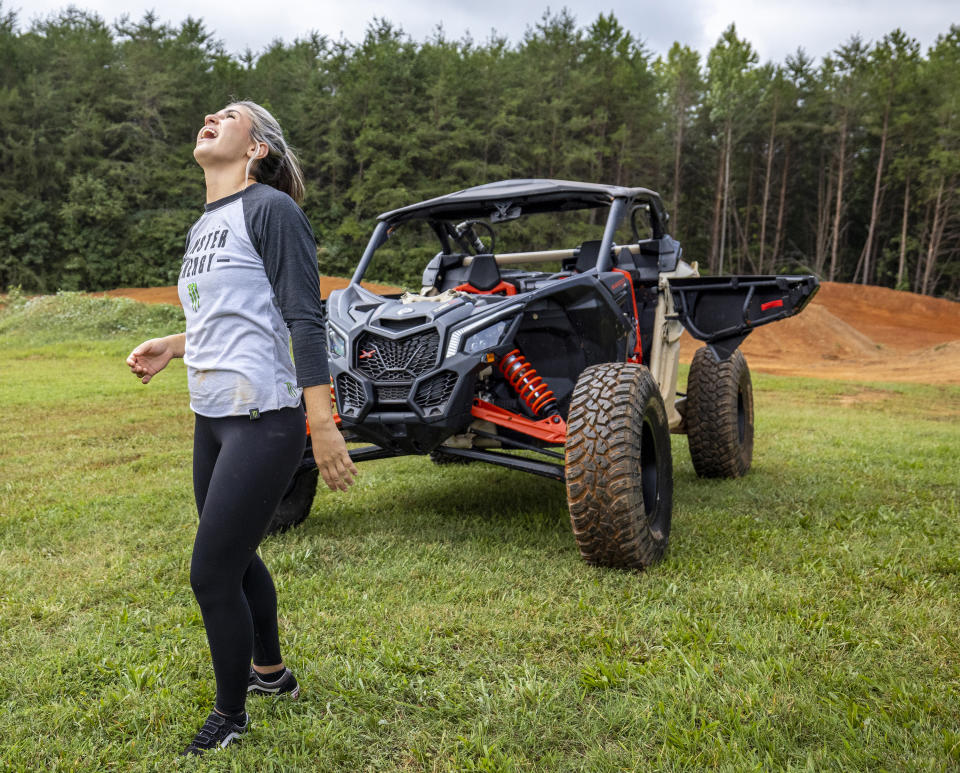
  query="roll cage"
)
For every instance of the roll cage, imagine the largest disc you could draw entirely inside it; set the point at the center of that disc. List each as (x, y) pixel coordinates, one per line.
(508, 200)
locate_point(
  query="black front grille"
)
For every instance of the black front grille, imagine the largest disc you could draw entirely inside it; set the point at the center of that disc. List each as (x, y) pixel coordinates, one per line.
(350, 397)
(436, 390)
(392, 394)
(383, 359)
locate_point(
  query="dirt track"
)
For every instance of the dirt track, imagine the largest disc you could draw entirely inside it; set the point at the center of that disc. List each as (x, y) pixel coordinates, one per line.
(848, 332)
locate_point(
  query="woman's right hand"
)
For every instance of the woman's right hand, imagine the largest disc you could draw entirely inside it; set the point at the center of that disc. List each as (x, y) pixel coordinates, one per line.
(329, 448)
(152, 356)
(331, 455)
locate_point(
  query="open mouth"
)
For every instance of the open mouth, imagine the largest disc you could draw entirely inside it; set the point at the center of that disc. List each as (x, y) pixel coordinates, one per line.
(207, 133)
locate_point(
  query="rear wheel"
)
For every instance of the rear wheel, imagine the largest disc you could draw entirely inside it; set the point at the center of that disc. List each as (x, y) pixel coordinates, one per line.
(297, 501)
(719, 415)
(619, 468)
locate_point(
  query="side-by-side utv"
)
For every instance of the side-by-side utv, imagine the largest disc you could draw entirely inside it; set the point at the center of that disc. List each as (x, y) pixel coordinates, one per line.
(545, 338)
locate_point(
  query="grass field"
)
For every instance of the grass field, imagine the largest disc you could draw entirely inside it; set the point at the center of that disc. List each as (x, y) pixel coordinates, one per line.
(805, 617)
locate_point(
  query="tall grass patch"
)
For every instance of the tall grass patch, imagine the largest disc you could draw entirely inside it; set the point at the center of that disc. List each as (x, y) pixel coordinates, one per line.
(71, 316)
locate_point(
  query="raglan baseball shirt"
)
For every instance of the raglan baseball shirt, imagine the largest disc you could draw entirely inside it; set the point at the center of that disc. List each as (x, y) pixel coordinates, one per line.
(249, 282)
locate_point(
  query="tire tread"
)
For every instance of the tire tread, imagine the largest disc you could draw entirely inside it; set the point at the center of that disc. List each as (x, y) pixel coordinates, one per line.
(712, 415)
(604, 492)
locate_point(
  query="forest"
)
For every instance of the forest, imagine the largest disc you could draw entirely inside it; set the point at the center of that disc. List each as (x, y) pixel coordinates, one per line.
(848, 167)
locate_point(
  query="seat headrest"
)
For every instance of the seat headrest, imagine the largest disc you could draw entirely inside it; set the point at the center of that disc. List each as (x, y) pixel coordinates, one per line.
(588, 255)
(483, 273)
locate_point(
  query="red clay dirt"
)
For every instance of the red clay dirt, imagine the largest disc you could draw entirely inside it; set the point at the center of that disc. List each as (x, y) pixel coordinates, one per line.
(169, 294)
(859, 333)
(848, 332)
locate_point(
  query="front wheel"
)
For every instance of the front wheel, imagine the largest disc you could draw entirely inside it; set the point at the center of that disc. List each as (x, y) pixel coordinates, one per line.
(297, 500)
(719, 415)
(619, 468)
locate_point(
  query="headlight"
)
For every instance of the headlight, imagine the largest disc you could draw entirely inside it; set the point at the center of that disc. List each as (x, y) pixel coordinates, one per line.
(490, 328)
(487, 338)
(336, 343)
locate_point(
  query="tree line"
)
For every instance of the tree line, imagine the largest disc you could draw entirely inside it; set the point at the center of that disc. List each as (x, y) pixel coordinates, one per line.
(847, 168)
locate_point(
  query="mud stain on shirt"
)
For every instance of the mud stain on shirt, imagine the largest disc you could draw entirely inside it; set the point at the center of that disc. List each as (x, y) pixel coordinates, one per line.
(244, 395)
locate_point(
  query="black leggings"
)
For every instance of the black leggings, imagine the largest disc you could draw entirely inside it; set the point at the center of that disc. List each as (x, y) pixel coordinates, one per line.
(241, 469)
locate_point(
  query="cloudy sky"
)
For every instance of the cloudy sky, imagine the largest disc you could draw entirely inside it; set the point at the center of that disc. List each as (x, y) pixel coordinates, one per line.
(775, 27)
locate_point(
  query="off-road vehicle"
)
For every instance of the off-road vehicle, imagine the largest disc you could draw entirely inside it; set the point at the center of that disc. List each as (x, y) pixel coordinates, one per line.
(545, 338)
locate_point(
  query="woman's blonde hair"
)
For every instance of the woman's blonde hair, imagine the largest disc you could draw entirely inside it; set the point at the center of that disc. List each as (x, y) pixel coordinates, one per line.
(280, 168)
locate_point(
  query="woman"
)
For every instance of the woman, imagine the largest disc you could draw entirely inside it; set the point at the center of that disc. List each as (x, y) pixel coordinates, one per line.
(248, 283)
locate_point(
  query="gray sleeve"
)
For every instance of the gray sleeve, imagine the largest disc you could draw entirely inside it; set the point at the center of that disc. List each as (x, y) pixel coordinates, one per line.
(282, 236)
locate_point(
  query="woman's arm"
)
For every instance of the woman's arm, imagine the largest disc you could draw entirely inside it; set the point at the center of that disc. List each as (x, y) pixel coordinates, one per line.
(329, 449)
(152, 356)
(282, 235)
(284, 239)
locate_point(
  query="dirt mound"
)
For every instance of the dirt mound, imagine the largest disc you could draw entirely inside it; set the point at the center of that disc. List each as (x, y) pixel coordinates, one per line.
(862, 333)
(897, 320)
(849, 332)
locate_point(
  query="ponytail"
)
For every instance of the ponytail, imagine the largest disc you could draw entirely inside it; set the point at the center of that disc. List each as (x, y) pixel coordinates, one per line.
(280, 168)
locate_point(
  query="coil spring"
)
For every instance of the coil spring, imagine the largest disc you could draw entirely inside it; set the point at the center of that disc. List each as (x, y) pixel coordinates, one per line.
(533, 390)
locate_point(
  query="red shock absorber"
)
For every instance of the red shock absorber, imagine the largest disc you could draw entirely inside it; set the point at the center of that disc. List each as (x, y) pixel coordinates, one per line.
(532, 389)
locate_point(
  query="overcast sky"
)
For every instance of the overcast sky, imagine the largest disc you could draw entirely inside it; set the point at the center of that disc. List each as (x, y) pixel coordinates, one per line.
(775, 28)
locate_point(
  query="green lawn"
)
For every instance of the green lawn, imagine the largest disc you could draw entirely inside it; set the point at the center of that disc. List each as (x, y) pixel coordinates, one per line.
(440, 618)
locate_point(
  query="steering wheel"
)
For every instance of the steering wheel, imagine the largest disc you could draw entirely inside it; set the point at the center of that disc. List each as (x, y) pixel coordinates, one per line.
(466, 233)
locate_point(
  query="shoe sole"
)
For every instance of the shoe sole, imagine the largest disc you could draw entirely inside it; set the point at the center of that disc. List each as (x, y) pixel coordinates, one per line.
(293, 695)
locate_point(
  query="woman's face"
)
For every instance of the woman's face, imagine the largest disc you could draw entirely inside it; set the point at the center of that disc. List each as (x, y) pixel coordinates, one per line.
(225, 138)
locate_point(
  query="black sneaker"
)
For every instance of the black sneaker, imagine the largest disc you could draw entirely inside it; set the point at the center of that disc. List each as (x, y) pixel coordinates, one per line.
(285, 686)
(218, 731)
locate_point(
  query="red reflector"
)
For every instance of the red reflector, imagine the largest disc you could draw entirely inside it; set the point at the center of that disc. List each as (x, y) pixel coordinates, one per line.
(771, 305)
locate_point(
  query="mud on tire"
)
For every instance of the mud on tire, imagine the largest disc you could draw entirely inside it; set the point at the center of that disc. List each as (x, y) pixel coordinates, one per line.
(719, 415)
(619, 468)
(297, 501)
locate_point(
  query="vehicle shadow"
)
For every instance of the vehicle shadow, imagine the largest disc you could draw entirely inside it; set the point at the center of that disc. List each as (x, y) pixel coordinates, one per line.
(412, 498)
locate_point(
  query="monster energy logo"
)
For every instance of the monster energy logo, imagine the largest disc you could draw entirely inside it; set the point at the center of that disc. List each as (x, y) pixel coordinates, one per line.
(194, 296)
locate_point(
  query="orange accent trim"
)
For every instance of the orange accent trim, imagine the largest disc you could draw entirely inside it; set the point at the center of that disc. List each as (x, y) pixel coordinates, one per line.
(552, 429)
(637, 347)
(504, 287)
(778, 304)
(520, 374)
